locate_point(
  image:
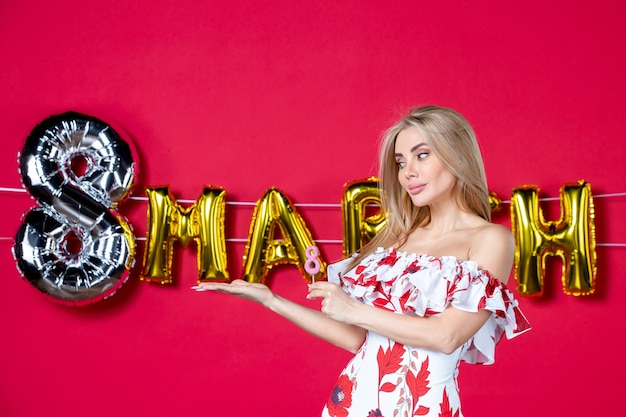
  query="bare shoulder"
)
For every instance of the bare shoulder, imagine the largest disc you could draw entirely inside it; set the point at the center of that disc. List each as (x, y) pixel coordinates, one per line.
(493, 248)
(492, 233)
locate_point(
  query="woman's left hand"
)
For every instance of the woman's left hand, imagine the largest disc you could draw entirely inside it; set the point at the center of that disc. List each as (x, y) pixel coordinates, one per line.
(336, 304)
(256, 292)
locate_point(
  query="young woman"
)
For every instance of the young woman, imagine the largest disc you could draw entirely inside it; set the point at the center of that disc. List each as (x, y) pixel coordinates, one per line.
(425, 293)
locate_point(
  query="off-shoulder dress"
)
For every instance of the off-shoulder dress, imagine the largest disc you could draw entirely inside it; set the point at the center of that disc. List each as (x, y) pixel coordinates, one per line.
(388, 379)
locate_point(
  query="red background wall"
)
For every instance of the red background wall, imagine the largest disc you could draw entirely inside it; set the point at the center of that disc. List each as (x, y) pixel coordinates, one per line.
(250, 95)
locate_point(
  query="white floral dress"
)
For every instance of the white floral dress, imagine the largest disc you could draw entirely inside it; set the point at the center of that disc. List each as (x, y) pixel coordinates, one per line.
(388, 379)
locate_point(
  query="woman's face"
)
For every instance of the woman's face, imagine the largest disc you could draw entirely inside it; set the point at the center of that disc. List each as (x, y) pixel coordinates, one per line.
(420, 172)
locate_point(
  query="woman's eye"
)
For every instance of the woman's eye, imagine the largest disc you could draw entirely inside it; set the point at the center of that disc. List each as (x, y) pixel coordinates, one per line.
(400, 164)
(422, 155)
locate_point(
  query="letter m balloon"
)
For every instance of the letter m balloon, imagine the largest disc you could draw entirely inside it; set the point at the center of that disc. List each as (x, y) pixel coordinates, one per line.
(168, 222)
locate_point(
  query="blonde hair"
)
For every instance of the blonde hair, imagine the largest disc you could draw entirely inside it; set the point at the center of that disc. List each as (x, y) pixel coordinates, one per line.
(452, 140)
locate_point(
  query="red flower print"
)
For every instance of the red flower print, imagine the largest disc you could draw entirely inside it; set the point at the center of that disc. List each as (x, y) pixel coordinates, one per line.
(521, 323)
(431, 312)
(389, 362)
(382, 303)
(446, 410)
(412, 268)
(421, 411)
(438, 262)
(403, 300)
(491, 286)
(452, 288)
(375, 413)
(341, 398)
(418, 385)
(482, 303)
(348, 280)
(390, 259)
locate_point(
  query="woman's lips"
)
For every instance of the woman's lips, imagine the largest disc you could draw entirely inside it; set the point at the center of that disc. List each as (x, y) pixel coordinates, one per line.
(416, 188)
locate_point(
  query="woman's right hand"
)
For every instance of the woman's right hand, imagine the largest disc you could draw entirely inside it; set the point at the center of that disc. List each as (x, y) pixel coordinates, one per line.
(259, 293)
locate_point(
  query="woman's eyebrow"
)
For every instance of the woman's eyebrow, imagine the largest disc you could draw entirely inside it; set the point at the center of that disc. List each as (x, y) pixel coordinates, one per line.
(413, 149)
(419, 145)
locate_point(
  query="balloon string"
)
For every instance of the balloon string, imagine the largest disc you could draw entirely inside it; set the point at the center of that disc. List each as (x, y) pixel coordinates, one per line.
(241, 240)
(12, 190)
(251, 203)
(593, 195)
(231, 203)
(322, 205)
(609, 195)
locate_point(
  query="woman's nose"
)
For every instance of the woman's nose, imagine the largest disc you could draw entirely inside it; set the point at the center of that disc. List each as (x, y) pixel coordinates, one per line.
(411, 170)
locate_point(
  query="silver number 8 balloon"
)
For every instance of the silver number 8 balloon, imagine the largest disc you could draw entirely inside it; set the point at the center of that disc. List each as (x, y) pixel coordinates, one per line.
(74, 246)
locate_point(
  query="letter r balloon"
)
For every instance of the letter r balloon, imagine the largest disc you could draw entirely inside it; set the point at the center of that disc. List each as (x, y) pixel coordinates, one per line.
(358, 226)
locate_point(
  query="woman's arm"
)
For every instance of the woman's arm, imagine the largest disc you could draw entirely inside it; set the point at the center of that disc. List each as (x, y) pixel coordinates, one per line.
(443, 333)
(492, 249)
(343, 335)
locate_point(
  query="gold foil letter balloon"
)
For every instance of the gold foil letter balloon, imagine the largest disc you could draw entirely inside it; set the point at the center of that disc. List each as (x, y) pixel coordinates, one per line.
(572, 238)
(265, 249)
(169, 222)
(495, 203)
(358, 226)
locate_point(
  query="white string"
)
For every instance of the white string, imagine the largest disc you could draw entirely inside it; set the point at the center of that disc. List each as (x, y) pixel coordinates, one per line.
(559, 198)
(231, 203)
(253, 203)
(234, 240)
(333, 241)
(318, 205)
(12, 190)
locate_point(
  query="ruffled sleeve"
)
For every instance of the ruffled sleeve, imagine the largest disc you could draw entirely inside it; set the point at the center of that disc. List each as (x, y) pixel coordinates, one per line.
(477, 290)
(333, 271)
